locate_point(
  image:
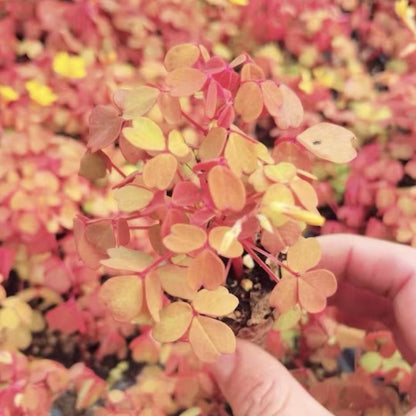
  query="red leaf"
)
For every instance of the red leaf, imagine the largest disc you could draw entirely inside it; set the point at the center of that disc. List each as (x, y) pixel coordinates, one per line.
(105, 125)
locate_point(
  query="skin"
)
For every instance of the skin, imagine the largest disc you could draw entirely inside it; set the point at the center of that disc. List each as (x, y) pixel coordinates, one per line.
(376, 283)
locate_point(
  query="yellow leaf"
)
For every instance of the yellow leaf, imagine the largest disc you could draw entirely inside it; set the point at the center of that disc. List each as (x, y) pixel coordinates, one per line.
(282, 172)
(132, 198)
(275, 200)
(69, 66)
(153, 294)
(218, 302)
(174, 322)
(182, 55)
(8, 93)
(137, 101)
(123, 258)
(371, 361)
(145, 134)
(177, 145)
(209, 338)
(241, 154)
(123, 295)
(40, 93)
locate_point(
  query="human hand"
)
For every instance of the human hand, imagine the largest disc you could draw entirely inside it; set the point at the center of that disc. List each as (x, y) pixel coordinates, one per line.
(376, 282)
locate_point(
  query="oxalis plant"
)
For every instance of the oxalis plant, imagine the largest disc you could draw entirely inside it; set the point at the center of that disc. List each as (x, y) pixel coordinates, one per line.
(203, 204)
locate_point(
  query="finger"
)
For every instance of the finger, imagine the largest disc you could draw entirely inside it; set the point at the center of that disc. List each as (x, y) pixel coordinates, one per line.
(255, 383)
(380, 267)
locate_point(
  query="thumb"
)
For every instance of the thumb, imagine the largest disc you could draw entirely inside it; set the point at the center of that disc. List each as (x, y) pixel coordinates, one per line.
(255, 383)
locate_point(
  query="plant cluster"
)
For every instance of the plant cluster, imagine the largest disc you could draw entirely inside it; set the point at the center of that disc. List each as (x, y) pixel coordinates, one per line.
(208, 151)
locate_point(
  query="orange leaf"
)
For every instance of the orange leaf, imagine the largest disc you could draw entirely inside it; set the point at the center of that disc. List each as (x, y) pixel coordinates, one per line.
(330, 142)
(159, 171)
(93, 166)
(305, 193)
(88, 253)
(304, 254)
(272, 97)
(174, 322)
(213, 144)
(314, 287)
(211, 99)
(182, 55)
(153, 294)
(131, 153)
(105, 125)
(184, 82)
(241, 154)
(170, 108)
(101, 235)
(251, 72)
(137, 101)
(206, 269)
(123, 258)
(217, 238)
(226, 189)
(123, 295)
(175, 282)
(291, 111)
(209, 338)
(284, 295)
(145, 134)
(184, 238)
(132, 198)
(248, 101)
(218, 302)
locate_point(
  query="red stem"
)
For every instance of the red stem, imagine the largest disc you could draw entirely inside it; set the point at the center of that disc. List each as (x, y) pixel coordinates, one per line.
(194, 123)
(261, 263)
(277, 261)
(156, 262)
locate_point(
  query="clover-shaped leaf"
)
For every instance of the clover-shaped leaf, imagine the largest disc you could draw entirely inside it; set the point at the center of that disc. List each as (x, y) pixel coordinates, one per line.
(209, 338)
(249, 101)
(174, 322)
(123, 295)
(145, 134)
(184, 238)
(226, 189)
(291, 111)
(206, 269)
(218, 302)
(184, 82)
(174, 281)
(224, 242)
(132, 198)
(123, 258)
(136, 101)
(330, 142)
(180, 56)
(159, 171)
(105, 125)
